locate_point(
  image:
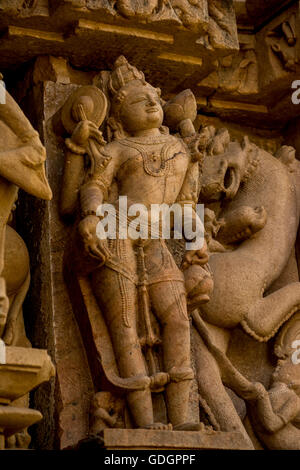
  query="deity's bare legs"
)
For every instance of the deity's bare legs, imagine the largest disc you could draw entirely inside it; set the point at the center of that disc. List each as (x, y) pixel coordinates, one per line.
(118, 299)
(106, 285)
(168, 300)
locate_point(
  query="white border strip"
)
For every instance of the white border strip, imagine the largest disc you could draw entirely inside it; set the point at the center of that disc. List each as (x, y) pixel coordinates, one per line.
(2, 352)
(2, 92)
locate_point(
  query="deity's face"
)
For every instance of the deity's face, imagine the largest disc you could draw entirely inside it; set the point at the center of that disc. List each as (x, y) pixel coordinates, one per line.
(141, 109)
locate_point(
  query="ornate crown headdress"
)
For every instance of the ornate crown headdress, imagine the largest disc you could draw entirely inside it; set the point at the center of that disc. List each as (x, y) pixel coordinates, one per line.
(122, 74)
(113, 83)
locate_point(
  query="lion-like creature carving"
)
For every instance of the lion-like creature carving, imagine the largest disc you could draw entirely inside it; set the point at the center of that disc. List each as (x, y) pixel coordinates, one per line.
(253, 185)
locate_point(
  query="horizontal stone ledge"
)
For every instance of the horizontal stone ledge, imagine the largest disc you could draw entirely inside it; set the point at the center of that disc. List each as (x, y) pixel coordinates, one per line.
(94, 27)
(18, 32)
(154, 439)
(243, 106)
(198, 61)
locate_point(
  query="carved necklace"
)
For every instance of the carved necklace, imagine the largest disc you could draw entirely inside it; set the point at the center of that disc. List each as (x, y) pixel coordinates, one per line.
(150, 157)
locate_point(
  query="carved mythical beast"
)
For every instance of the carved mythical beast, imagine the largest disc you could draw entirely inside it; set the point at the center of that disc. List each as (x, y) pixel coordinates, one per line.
(252, 234)
(257, 195)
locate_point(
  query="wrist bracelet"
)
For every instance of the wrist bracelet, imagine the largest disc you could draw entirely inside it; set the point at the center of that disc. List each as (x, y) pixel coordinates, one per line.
(87, 213)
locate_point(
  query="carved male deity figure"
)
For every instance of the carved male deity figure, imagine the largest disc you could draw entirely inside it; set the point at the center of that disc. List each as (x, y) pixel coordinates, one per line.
(149, 166)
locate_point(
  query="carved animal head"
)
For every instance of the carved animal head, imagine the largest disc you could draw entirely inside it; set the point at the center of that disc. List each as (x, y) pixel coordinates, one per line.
(224, 167)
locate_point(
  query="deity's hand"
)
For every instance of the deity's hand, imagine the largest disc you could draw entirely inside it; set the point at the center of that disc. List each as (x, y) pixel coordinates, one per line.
(255, 391)
(195, 257)
(94, 246)
(84, 131)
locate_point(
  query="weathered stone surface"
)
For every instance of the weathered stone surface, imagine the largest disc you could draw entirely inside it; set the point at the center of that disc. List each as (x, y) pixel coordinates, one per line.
(92, 34)
(142, 439)
(210, 65)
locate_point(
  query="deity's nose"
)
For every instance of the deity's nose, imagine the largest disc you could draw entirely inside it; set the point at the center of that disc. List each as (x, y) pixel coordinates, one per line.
(151, 100)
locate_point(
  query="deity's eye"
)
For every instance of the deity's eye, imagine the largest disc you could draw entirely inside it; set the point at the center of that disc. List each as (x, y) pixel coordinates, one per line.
(138, 99)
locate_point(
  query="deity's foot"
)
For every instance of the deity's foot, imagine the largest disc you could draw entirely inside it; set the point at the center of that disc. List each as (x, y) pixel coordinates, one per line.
(189, 427)
(159, 426)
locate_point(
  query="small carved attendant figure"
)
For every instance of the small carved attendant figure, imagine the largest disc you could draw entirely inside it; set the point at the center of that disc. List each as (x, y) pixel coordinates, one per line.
(275, 416)
(105, 412)
(134, 279)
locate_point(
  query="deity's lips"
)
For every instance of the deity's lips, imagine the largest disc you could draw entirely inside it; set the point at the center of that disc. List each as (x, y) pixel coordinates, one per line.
(153, 110)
